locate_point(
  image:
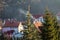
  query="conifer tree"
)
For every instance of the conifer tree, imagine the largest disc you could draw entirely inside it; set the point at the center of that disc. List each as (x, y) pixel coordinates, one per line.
(31, 33)
(57, 27)
(49, 31)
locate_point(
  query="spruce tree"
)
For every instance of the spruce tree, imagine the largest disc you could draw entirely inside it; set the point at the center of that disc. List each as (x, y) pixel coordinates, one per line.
(59, 33)
(49, 31)
(57, 27)
(31, 33)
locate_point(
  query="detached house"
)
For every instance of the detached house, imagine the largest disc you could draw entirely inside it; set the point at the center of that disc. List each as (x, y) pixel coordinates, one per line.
(0, 24)
(58, 16)
(11, 27)
(38, 21)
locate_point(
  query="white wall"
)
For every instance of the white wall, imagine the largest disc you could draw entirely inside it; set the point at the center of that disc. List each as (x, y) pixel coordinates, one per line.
(58, 17)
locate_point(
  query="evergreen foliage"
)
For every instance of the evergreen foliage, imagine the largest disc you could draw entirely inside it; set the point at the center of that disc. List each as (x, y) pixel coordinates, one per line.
(31, 33)
(49, 31)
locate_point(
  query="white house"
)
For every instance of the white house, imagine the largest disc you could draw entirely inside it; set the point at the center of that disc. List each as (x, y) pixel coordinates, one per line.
(12, 28)
(20, 27)
(58, 16)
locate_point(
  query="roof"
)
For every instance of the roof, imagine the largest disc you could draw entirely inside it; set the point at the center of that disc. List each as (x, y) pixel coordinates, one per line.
(11, 23)
(37, 15)
(58, 14)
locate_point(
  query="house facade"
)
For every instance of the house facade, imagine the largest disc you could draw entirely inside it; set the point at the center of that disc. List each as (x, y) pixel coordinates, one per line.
(58, 16)
(38, 21)
(0, 24)
(12, 28)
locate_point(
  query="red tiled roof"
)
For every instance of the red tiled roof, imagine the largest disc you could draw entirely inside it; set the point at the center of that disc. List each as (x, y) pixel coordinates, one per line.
(11, 23)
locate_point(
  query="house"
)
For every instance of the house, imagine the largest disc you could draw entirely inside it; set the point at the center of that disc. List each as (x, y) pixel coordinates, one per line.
(38, 25)
(20, 27)
(11, 28)
(38, 21)
(58, 16)
(0, 24)
(10, 25)
(38, 17)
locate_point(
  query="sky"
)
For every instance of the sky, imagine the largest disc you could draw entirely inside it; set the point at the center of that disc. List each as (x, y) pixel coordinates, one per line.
(53, 5)
(37, 7)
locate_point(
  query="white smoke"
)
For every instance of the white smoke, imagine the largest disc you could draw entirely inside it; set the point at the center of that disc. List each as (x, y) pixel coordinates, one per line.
(25, 13)
(22, 11)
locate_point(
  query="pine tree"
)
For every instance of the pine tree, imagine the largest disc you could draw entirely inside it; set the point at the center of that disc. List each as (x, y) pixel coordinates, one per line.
(31, 33)
(59, 33)
(49, 31)
(57, 27)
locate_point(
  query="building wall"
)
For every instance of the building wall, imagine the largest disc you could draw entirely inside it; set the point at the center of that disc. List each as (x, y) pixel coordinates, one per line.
(0, 24)
(58, 17)
(5, 29)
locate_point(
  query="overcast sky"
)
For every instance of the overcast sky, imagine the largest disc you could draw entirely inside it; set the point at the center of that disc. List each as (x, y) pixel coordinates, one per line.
(37, 6)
